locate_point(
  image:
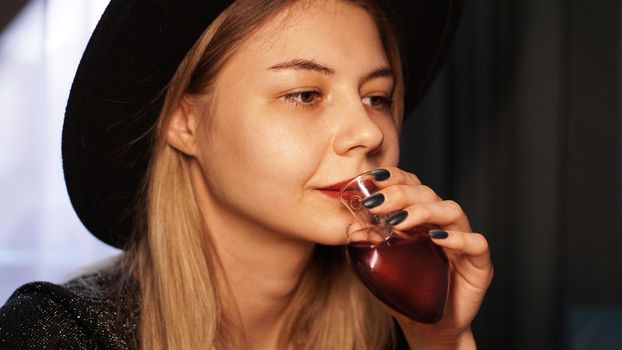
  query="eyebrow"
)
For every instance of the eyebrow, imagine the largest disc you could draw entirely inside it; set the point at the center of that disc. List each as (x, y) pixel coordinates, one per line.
(307, 64)
(303, 64)
(381, 72)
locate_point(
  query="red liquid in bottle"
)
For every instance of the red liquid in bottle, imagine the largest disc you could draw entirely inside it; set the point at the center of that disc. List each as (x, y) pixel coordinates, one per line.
(409, 274)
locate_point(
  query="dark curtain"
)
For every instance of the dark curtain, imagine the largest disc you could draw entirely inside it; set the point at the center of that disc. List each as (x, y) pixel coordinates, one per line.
(523, 129)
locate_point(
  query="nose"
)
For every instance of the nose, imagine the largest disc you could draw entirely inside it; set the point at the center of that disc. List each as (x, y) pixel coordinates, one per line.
(358, 132)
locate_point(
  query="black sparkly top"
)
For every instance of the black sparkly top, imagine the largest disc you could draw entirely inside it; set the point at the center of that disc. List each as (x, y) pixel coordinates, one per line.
(81, 314)
(84, 313)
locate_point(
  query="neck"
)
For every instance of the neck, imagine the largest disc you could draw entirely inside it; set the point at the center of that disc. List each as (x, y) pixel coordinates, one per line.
(262, 279)
(262, 271)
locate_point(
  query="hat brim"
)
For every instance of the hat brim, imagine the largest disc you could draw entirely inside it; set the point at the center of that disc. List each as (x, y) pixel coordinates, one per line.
(116, 95)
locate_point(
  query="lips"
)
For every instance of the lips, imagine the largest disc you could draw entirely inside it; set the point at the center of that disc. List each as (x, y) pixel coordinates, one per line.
(333, 190)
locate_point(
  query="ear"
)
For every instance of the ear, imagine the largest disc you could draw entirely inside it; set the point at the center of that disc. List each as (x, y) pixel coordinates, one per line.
(182, 128)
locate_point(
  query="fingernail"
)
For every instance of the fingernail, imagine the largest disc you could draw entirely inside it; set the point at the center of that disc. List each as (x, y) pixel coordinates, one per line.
(373, 201)
(398, 217)
(438, 234)
(380, 174)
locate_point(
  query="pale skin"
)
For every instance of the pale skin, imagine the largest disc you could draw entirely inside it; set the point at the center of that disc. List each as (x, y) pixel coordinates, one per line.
(291, 112)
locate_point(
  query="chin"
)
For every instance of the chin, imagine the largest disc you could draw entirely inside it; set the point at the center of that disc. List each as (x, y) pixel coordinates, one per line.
(331, 239)
(326, 232)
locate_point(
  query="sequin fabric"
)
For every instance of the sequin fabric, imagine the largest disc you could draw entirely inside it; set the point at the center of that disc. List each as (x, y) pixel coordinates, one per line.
(85, 313)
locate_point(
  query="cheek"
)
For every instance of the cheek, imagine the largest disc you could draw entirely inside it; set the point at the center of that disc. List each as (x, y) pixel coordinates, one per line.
(278, 147)
(391, 143)
(263, 163)
(282, 153)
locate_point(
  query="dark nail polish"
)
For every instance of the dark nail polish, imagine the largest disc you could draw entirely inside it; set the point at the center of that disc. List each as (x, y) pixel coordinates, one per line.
(373, 201)
(398, 217)
(438, 234)
(380, 174)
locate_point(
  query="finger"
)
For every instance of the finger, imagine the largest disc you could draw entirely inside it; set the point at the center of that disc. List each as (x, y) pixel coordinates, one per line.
(389, 176)
(473, 246)
(396, 197)
(447, 214)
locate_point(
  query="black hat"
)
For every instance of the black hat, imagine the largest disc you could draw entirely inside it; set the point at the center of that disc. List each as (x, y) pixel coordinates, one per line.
(134, 52)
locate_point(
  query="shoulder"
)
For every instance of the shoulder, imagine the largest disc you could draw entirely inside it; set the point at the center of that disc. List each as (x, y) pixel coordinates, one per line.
(71, 316)
(40, 315)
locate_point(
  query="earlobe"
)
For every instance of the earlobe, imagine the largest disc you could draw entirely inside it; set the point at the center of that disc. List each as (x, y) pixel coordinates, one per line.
(181, 129)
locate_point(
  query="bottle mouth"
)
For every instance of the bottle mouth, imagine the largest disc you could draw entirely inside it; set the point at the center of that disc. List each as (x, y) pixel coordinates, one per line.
(368, 226)
(361, 184)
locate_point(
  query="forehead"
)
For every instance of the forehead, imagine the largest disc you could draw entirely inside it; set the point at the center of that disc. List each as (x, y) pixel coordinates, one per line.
(324, 30)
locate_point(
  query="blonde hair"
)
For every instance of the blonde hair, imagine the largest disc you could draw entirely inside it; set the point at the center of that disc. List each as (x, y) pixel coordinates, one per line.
(173, 259)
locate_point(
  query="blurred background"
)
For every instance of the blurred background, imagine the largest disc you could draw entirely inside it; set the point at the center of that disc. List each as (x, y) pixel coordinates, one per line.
(41, 238)
(523, 128)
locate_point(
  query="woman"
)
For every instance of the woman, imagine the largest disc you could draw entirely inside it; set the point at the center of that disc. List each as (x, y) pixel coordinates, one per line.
(225, 204)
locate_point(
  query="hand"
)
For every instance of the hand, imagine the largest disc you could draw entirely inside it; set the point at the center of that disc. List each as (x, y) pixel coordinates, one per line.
(470, 268)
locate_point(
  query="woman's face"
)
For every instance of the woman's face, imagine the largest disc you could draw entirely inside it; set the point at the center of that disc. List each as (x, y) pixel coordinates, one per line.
(300, 106)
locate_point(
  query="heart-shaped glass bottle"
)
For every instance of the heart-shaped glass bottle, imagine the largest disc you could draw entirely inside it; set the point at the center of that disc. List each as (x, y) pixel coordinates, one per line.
(404, 269)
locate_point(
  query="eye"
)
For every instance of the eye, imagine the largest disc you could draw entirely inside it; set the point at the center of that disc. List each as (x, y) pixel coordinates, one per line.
(377, 101)
(305, 99)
